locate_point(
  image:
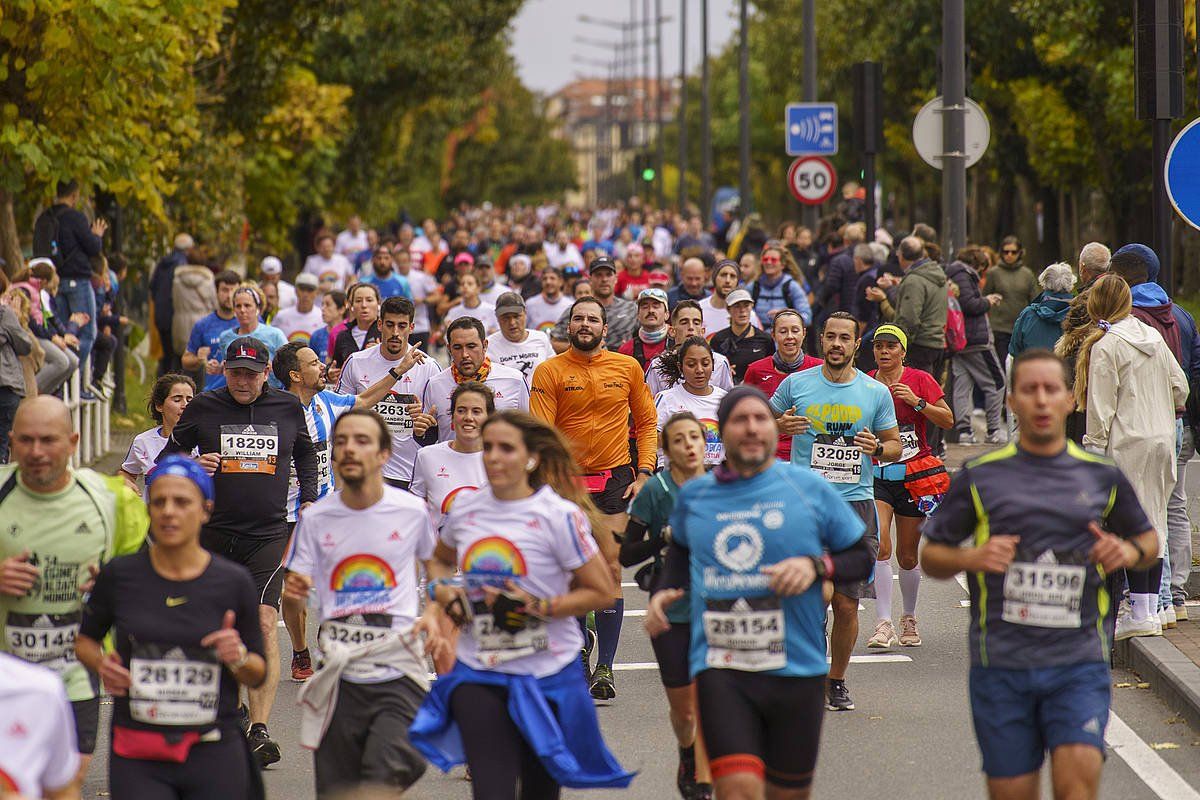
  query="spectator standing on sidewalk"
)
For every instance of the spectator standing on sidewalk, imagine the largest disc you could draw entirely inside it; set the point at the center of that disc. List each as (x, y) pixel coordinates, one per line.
(921, 307)
(1011, 287)
(976, 364)
(161, 281)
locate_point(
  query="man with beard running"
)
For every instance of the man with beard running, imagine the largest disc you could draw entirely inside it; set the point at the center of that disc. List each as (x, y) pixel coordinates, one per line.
(588, 393)
(401, 407)
(754, 540)
(839, 419)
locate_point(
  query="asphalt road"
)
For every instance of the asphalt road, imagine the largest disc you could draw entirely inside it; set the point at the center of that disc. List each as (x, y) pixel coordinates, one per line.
(910, 736)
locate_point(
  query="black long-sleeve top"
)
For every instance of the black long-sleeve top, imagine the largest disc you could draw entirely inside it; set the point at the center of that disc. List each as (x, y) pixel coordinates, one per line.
(257, 443)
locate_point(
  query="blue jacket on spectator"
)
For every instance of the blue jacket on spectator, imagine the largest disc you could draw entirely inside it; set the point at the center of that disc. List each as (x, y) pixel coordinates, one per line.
(786, 292)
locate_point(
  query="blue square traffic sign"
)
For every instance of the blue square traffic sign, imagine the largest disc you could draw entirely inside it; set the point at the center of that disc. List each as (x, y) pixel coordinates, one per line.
(811, 129)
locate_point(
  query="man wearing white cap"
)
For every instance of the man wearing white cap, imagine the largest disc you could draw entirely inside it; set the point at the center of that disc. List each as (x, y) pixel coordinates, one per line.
(299, 322)
(272, 272)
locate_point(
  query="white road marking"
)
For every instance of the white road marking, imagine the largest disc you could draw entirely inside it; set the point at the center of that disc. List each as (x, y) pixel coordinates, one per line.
(883, 658)
(1149, 766)
(629, 584)
(962, 581)
(964, 603)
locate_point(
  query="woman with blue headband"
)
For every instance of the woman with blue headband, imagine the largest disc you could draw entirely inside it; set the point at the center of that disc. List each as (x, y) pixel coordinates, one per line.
(185, 625)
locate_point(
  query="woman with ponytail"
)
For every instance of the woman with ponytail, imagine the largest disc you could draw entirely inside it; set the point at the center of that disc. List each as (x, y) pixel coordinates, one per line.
(529, 564)
(1131, 387)
(688, 371)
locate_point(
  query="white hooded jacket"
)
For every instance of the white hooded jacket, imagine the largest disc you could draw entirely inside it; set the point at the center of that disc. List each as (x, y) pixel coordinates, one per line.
(1134, 386)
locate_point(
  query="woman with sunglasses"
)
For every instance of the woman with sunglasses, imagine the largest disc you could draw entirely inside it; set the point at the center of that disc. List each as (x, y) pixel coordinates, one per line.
(779, 286)
(186, 632)
(1011, 286)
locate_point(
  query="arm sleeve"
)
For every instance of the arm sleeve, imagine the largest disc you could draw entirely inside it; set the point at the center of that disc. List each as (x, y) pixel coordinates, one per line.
(645, 419)
(89, 242)
(185, 435)
(1179, 382)
(1126, 518)
(636, 546)
(99, 610)
(1101, 398)
(675, 574)
(573, 542)
(955, 518)
(304, 456)
(543, 400)
(63, 762)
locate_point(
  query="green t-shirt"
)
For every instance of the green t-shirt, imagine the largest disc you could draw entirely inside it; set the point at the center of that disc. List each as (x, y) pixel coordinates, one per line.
(653, 506)
(63, 533)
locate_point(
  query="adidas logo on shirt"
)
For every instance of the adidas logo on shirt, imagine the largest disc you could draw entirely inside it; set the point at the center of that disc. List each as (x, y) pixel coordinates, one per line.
(83, 529)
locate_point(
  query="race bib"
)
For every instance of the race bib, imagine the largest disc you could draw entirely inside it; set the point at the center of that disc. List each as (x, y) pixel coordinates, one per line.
(837, 463)
(910, 444)
(47, 640)
(355, 630)
(324, 469)
(745, 634)
(1044, 595)
(250, 448)
(495, 646)
(174, 685)
(395, 413)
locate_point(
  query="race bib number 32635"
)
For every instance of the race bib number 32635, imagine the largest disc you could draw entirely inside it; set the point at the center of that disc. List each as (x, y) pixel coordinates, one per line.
(250, 448)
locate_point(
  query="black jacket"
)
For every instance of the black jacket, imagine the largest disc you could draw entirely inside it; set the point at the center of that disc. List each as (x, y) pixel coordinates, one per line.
(742, 351)
(837, 292)
(76, 242)
(345, 345)
(162, 280)
(251, 496)
(974, 305)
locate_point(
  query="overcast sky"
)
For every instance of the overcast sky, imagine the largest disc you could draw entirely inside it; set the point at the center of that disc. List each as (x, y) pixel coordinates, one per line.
(545, 30)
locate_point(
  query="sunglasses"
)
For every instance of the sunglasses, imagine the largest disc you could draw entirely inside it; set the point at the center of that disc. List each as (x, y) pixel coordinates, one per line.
(771, 260)
(1006, 251)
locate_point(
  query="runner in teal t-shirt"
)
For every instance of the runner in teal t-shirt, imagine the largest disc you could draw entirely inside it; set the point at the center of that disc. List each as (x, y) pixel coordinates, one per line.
(646, 535)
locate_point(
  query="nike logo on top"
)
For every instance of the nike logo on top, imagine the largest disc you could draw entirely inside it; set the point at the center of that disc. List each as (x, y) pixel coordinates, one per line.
(172, 602)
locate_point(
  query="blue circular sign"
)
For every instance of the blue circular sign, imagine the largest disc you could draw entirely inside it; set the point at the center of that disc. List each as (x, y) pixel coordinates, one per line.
(1183, 173)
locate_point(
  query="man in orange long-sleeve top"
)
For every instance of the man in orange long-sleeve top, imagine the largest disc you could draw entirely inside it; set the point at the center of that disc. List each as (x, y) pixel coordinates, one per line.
(588, 393)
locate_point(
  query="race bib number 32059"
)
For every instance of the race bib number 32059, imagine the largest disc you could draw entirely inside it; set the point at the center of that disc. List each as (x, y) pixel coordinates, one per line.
(836, 462)
(250, 448)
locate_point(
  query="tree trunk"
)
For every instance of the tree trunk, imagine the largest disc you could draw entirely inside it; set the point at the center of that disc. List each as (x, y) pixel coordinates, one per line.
(10, 241)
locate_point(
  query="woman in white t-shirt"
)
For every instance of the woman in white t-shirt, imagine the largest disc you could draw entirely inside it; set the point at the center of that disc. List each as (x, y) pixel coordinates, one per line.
(726, 278)
(529, 566)
(169, 397)
(688, 371)
(471, 305)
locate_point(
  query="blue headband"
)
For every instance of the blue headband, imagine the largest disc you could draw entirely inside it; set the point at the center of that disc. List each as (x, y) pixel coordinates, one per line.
(184, 467)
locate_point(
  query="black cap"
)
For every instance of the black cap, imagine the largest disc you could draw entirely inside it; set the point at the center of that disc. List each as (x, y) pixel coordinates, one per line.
(247, 352)
(603, 262)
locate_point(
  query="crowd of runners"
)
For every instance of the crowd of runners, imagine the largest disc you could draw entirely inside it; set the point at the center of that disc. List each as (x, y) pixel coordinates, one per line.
(444, 449)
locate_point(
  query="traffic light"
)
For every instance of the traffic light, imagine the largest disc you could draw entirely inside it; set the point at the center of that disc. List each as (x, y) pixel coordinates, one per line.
(643, 167)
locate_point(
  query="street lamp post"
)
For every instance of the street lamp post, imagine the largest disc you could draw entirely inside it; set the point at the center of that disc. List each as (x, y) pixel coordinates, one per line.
(809, 215)
(705, 118)
(681, 114)
(745, 198)
(659, 105)
(954, 139)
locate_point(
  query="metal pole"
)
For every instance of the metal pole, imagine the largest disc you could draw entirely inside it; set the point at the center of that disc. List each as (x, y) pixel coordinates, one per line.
(681, 114)
(869, 208)
(809, 215)
(705, 119)
(645, 73)
(659, 104)
(1162, 212)
(954, 140)
(744, 193)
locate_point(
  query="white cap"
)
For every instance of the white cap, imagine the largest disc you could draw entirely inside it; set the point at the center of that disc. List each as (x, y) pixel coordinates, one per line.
(271, 266)
(184, 242)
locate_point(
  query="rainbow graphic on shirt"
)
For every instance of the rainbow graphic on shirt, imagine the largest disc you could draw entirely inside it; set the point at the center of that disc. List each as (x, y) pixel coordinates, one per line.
(362, 573)
(449, 499)
(714, 450)
(546, 327)
(299, 336)
(494, 555)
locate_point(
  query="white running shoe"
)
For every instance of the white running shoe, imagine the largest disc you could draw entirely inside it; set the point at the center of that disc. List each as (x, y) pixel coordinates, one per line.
(1128, 627)
(1167, 618)
(1181, 613)
(909, 635)
(884, 636)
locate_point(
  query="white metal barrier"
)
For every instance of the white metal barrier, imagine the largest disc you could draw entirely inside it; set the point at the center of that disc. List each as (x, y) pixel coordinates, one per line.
(90, 418)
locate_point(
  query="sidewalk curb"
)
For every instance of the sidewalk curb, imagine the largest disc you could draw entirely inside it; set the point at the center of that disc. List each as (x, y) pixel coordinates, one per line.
(1171, 674)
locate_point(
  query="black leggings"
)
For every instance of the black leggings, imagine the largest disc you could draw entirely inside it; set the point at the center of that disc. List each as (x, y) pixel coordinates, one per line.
(1146, 581)
(213, 771)
(498, 755)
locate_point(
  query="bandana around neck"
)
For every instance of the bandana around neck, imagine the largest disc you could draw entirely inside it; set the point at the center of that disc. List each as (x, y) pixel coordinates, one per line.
(485, 369)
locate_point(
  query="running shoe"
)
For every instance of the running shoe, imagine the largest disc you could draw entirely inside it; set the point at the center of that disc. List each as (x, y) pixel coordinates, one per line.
(262, 746)
(837, 696)
(244, 718)
(967, 439)
(1128, 627)
(603, 685)
(997, 437)
(909, 635)
(1181, 613)
(585, 655)
(685, 777)
(701, 791)
(884, 636)
(301, 666)
(1167, 618)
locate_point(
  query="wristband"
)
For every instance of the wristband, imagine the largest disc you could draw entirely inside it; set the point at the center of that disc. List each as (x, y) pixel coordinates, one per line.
(1141, 552)
(643, 471)
(242, 659)
(432, 587)
(879, 450)
(827, 560)
(395, 375)
(818, 566)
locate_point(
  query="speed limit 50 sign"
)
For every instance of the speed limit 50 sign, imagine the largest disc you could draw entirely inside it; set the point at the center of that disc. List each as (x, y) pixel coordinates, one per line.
(812, 180)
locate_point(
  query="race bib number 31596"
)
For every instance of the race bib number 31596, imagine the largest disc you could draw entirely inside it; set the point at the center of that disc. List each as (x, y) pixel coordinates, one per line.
(1043, 595)
(250, 448)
